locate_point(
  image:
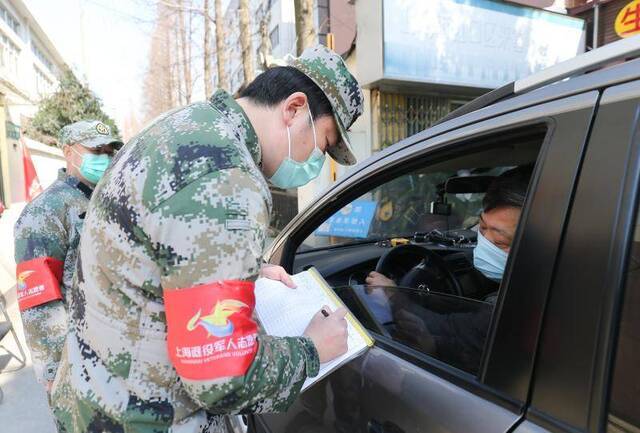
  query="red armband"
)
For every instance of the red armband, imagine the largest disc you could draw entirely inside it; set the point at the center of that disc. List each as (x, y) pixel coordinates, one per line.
(38, 281)
(211, 332)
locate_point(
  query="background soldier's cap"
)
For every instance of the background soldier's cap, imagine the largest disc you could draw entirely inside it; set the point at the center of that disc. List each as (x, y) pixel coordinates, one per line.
(88, 133)
(328, 71)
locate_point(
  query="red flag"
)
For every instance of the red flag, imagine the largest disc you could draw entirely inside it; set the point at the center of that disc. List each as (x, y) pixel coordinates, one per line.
(31, 182)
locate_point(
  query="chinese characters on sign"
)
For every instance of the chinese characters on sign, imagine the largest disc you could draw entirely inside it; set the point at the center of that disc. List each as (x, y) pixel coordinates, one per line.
(628, 20)
(352, 221)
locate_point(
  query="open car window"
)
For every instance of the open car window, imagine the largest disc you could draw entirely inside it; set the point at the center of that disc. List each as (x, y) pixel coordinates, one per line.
(443, 196)
(415, 202)
(443, 304)
(449, 328)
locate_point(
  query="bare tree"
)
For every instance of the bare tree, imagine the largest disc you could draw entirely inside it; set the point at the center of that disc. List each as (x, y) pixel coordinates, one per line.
(221, 57)
(207, 51)
(185, 49)
(159, 83)
(305, 32)
(188, 8)
(245, 41)
(264, 49)
(176, 61)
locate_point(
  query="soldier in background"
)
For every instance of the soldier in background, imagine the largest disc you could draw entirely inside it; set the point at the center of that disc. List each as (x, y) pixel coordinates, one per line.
(163, 335)
(46, 241)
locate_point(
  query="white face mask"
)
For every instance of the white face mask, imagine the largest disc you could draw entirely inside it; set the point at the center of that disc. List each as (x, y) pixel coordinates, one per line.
(292, 174)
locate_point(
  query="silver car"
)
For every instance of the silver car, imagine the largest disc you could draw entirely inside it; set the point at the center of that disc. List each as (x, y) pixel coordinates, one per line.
(558, 346)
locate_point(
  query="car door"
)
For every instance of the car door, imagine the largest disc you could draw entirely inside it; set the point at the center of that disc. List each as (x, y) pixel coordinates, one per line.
(586, 374)
(394, 388)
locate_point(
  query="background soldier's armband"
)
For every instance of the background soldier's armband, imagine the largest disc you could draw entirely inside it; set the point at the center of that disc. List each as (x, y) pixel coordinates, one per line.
(38, 281)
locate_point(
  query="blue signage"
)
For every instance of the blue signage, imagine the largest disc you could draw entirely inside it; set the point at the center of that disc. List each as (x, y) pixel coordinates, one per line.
(478, 43)
(352, 221)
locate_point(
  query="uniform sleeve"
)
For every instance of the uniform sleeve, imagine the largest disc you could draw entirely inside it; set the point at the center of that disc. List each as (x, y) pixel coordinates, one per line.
(40, 234)
(208, 240)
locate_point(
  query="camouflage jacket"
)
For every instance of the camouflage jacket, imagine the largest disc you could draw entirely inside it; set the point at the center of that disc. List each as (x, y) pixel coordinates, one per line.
(50, 226)
(183, 204)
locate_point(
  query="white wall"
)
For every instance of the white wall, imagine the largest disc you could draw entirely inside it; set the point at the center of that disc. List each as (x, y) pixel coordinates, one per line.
(283, 16)
(25, 79)
(47, 161)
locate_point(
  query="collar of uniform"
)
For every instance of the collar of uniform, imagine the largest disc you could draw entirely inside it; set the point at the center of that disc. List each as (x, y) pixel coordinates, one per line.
(74, 182)
(225, 104)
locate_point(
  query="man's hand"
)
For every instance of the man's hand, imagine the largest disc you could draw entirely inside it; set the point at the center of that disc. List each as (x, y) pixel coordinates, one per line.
(329, 334)
(377, 279)
(274, 272)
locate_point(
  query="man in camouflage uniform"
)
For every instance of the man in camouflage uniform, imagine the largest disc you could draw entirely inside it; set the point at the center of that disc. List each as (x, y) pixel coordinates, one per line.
(163, 336)
(48, 232)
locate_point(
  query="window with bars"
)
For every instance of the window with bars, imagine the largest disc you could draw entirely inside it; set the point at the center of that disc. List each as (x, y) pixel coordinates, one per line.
(402, 115)
(44, 86)
(41, 56)
(8, 18)
(9, 54)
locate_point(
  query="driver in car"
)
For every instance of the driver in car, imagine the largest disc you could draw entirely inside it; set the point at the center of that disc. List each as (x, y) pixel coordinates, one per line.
(502, 205)
(458, 337)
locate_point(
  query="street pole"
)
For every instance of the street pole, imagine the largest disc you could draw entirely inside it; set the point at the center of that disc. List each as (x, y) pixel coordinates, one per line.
(332, 164)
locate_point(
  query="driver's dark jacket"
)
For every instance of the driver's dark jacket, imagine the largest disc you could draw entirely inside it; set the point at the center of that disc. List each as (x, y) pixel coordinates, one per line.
(459, 337)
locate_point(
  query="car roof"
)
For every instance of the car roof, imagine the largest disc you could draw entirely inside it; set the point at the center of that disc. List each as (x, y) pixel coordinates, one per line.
(509, 102)
(621, 50)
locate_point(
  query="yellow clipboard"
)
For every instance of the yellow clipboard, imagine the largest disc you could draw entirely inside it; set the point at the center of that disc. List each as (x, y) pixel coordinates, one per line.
(332, 295)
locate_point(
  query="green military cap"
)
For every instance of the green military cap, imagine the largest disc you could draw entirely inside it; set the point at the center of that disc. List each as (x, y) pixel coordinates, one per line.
(328, 71)
(88, 133)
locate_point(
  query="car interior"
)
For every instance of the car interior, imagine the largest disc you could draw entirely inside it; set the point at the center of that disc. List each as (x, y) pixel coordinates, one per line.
(419, 229)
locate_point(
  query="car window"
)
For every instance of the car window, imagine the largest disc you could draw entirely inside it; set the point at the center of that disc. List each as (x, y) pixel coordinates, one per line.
(449, 328)
(625, 389)
(418, 230)
(419, 201)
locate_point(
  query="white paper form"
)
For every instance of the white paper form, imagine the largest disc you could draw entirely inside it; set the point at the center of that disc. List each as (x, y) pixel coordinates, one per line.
(286, 312)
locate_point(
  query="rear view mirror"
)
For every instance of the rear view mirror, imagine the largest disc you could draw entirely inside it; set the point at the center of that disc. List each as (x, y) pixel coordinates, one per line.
(468, 184)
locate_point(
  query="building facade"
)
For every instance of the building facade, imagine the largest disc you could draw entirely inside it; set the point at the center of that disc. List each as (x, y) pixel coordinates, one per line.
(607, 20)
(418, 61)
(279, 18)
(29, 70)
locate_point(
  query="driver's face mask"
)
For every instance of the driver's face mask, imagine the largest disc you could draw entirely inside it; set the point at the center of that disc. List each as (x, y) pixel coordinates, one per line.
(489, 259)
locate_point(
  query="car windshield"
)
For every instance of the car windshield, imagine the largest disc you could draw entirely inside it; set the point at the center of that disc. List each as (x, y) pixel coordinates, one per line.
(417, 202)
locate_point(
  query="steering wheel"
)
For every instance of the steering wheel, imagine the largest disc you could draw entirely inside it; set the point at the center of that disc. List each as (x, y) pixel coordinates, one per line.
(432, 270)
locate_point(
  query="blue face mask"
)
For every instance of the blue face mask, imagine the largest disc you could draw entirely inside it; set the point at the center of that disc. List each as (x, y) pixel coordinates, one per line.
(489, 259)
(292, 174)
(93, 166)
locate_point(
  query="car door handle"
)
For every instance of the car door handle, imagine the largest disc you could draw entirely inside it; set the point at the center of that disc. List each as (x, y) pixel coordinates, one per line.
(374, 426)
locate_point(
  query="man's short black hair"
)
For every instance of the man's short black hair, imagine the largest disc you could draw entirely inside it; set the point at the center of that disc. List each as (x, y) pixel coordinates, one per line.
(277, 84)
(509, 189)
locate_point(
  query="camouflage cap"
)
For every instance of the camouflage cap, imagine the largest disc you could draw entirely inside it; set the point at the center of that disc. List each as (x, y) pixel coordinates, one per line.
(328, 71)
(88, 133)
